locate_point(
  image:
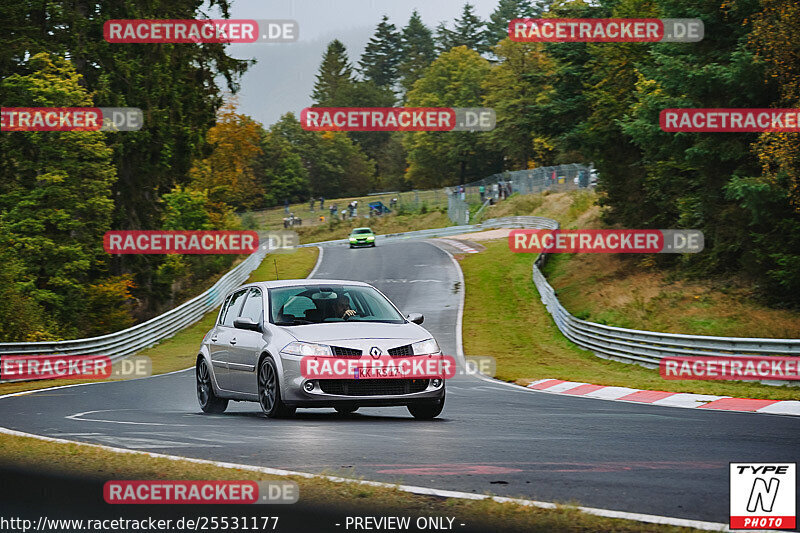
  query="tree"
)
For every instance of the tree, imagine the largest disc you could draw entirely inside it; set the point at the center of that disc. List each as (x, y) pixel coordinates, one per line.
(442, 158)
(281, 171)
(516, 85)
(55, 201)
(227, 174)
(469, 31)
(339, 168)
(179, 87)
(334, 78)
(505, 12)
(336, 165)
(382, 55)
(444, 38)
(418, 51)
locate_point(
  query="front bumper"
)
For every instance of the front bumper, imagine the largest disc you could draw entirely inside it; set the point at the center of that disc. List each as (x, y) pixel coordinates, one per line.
(295, 394)
(358, 244)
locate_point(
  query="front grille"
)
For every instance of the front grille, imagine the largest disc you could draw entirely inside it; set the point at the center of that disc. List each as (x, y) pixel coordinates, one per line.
(338, 351)
(372, 387)
(401, 351)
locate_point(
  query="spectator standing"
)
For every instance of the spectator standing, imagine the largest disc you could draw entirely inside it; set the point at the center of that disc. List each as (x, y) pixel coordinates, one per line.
(321, 203)
(311, 204)
(286, 206)
(482, 190)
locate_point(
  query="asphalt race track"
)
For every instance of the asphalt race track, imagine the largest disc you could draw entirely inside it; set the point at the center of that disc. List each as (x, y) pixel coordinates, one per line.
(490, 438)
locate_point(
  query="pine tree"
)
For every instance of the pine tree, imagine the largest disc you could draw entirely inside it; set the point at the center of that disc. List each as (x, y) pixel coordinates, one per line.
(470, 31)
(56, 202)
(418, 51)
(445, 38)
(335, 76)
(382, 55)
(506, 11)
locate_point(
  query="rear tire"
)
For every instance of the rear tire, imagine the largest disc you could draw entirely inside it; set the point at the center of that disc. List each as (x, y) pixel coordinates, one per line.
(208, 399)
(426, 411)
(269, 391)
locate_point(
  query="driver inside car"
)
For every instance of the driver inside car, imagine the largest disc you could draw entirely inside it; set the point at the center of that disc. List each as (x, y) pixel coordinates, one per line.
(341, 308)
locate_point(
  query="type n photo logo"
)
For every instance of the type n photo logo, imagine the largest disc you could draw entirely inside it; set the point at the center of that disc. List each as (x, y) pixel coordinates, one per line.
(763, 495)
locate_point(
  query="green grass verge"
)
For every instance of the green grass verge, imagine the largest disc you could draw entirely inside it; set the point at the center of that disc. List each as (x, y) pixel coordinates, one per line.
(180, 350)
(488, 515)
(504, 318)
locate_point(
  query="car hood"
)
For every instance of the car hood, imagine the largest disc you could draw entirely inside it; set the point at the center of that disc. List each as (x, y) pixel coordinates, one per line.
(337, 331)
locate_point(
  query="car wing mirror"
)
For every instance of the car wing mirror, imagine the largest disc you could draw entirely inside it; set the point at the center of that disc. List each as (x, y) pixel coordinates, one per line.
(416, 318)
(247, 323)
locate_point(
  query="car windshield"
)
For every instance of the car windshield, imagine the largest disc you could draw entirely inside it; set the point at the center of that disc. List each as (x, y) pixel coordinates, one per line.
(361, 231)
(316, 304)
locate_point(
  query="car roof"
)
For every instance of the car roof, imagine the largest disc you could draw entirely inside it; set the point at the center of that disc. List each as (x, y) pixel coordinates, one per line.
(296, 282)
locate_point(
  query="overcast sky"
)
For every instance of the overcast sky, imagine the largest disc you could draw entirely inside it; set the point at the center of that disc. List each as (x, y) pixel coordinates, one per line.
(283, 78)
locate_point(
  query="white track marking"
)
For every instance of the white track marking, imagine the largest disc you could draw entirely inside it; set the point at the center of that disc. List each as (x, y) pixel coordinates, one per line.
(460, 245)
(80, 418)
(608, 513)
(316, 266)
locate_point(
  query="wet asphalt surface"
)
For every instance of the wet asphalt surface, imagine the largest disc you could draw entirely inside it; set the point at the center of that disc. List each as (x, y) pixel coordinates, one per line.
(490, 437)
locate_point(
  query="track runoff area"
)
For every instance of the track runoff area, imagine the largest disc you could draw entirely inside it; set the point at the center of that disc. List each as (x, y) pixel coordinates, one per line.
(642, 462)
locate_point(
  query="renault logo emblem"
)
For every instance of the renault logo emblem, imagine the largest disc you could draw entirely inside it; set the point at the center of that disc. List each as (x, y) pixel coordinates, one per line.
(375, 352)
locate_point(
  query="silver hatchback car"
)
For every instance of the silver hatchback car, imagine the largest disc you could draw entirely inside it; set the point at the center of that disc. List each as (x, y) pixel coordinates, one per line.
(264, 330)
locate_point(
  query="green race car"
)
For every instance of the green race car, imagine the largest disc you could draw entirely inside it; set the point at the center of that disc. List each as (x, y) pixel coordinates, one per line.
(362, 237)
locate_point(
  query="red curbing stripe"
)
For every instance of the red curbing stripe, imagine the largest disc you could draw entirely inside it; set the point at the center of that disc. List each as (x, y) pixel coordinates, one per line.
(647, 396)
(584, 389)
(738, 404)
(546, 384)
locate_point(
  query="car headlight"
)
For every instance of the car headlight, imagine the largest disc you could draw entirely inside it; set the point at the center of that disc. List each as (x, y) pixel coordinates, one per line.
(425, 347)
(352, 239)
(306, 348)
(371, 238)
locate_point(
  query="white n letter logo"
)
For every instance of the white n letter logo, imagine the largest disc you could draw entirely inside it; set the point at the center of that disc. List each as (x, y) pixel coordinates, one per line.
(763, 494)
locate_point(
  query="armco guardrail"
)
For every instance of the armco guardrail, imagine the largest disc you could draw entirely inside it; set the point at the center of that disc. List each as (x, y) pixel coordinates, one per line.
(128, 341)
(646, 348)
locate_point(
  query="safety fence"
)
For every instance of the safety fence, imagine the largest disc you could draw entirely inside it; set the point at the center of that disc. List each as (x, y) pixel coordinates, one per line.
(504, 184)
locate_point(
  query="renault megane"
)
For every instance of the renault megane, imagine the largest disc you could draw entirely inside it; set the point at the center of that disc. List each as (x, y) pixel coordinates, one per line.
(264, 330)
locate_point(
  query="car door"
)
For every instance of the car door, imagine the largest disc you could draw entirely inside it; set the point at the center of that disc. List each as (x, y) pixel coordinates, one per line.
(244, 353)
(224, 338)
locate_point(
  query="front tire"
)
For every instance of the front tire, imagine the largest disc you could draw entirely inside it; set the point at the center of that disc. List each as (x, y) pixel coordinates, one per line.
(426, 411)
(269, 391)
(208, 399)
